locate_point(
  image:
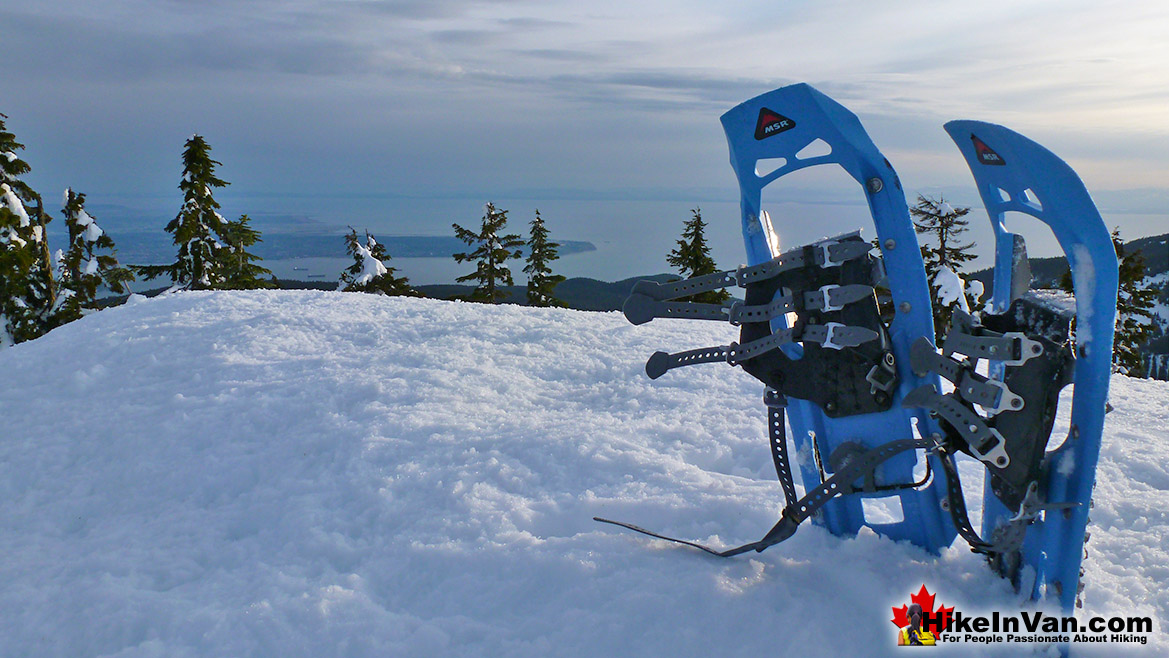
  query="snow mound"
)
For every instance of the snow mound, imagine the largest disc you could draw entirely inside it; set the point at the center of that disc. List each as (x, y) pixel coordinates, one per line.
(312, 474)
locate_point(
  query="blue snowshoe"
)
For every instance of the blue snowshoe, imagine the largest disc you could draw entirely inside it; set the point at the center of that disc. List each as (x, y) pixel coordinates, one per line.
(857, 375)
(1015, 174)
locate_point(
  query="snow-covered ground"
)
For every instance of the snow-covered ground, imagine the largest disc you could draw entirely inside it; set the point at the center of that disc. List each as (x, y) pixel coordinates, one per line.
(318, 474)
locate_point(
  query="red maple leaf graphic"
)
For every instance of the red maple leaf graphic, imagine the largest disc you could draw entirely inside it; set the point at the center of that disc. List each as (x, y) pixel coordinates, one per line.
(926, 601)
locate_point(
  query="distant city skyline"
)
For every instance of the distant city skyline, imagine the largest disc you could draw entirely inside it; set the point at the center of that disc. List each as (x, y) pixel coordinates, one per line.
(435, 106)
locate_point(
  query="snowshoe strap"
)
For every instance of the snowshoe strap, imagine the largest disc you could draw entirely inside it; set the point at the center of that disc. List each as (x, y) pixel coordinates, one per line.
(640, 309)
(1012, 348)
(686, 287)
(984, 442)
(662, 362)
(842, 482)
(827, 253)
(993, 396)
(956, 503)
(832, 335)
(777, 436)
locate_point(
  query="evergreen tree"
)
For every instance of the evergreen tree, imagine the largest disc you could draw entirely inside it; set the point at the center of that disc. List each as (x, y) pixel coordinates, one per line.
(692, 258)
(240, 271)
(27, 290)
(88, 263)
(368, 273)
(943, 263)
(541, 282)
(1134, 309)
(492, 250)
(197, 227)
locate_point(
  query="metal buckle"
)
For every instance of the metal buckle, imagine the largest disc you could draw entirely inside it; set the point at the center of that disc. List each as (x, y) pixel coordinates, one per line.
(825, 256)
(1008, 399)
(997, 455)
(831, 330)
(1028, 349)
(827, 305)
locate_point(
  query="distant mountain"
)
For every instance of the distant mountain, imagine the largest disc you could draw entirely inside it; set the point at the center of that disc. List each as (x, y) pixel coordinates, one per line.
(579, 293)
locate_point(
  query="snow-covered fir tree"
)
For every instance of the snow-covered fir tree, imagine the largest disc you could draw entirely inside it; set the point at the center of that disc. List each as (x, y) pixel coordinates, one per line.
(87, 264)
(239, 268)
(369, 273)
(692, 258)
(492, 250)
(943, 263)
(197, 227)
(1134, 309)
(27, 289)
(541, 281)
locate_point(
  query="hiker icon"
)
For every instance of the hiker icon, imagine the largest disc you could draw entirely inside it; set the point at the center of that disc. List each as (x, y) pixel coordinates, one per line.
(914, 635)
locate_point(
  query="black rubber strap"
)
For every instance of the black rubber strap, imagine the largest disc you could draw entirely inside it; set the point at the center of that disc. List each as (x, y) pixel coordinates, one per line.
(957, 503)
(777, 435)
(840, 483)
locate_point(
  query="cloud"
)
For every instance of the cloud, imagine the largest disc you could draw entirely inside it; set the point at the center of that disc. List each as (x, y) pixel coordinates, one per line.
(415, 95)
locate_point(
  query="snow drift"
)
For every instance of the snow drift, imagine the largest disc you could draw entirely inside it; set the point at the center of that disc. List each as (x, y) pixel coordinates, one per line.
(311, 474)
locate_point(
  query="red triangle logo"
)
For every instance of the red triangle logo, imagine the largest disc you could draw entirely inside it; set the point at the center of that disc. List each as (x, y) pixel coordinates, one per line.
(771, 123)
(986, 155)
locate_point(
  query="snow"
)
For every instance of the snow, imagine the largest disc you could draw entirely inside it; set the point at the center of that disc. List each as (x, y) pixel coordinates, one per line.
(975, 290)
(1084, 279)
(1059, 301)
(9, 199)
(298, 473)
(92, 231)
(371, 268)
(950, 288)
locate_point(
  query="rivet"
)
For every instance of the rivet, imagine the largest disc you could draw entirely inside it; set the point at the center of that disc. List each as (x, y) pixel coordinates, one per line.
(905, 307)
(875, 185)
(890, 244)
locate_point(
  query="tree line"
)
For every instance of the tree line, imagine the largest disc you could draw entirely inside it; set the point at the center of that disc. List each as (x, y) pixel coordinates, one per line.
(40, 289)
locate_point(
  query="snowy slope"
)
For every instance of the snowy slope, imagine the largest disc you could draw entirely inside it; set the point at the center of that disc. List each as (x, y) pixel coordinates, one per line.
(315, 474)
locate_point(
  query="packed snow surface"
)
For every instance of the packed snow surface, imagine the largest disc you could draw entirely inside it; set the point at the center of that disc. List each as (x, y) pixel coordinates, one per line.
(326, 474)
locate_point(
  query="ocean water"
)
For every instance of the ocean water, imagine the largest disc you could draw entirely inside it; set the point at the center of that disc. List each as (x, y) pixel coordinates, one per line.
(632, 236)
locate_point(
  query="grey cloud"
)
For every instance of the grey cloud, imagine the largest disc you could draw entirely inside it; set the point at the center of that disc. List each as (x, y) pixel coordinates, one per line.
(561, 55)
(465, 37)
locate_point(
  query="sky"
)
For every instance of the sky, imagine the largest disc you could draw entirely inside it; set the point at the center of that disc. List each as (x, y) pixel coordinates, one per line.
(409, 115)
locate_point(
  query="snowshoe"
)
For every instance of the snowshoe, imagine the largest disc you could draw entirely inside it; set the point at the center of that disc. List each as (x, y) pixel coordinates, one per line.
(1014, 174)
(856, 373)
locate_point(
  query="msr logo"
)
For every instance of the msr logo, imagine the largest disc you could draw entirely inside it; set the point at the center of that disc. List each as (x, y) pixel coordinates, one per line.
(771, 123)
(986, 154)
